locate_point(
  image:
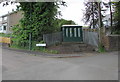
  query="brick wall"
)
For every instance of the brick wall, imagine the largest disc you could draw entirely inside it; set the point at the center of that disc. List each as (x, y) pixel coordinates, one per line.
(111, 42)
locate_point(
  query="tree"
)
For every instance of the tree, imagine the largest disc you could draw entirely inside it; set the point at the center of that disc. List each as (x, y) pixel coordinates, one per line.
(94, 15)
(39, 18)
(91, 13)
(116, 28)
(60, 22)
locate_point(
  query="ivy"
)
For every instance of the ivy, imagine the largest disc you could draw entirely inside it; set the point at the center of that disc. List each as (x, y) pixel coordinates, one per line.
(39, 18)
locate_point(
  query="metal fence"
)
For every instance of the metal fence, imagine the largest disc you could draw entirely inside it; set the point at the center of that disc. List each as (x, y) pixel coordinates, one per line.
(90, 37)
(51, 39)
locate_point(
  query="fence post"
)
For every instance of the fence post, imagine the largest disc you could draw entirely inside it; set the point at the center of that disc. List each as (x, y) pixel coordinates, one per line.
(30, 42)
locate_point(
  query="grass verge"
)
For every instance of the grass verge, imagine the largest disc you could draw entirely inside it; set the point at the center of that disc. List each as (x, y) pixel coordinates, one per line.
(41, 49)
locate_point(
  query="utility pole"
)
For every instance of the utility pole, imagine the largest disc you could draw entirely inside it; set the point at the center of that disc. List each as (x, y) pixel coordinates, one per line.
(110, 15)
(100, 17)
(93, 14)
(100, 22)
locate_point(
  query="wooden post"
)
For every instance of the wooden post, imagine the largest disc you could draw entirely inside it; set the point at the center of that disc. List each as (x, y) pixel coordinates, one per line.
(30, 42)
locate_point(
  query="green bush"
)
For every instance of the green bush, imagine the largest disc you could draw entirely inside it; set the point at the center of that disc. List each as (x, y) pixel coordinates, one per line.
(101, 48)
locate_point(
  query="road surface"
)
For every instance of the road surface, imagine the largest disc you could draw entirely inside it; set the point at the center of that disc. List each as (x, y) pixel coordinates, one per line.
(17, 65)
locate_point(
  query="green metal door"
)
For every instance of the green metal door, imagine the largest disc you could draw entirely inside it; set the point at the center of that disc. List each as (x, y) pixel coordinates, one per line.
(72, 33)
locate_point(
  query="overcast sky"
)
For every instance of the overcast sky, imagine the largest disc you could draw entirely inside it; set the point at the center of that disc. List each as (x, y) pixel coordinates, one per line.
(73, 11)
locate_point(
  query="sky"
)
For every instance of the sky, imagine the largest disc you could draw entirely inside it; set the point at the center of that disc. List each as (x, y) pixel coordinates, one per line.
(73, 11)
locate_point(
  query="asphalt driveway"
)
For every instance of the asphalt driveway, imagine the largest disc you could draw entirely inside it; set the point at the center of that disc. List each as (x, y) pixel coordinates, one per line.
(17, 65)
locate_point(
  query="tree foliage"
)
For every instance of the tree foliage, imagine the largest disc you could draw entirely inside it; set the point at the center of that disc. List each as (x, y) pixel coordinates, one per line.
(39, 18)
(61, 22)
(91, 13)
(116, 28)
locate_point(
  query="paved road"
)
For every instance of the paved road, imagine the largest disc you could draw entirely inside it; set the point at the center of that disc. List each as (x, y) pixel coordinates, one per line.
(23, 66)
(0, 63)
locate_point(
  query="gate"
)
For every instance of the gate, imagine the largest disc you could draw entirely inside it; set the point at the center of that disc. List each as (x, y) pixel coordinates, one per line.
(72, 33)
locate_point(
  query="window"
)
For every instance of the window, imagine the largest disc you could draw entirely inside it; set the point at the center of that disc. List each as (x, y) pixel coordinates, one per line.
(0, 19)
(0, 28)
(4, 27)
(5, 18)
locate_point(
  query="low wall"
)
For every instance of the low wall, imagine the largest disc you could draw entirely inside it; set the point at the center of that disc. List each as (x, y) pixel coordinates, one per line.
(90, 37)
(5, 40)
(111, 42)
(52, 39)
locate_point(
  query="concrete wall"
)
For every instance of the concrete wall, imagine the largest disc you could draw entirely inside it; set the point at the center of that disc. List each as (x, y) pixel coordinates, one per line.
(52, 39)
(90, 37)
